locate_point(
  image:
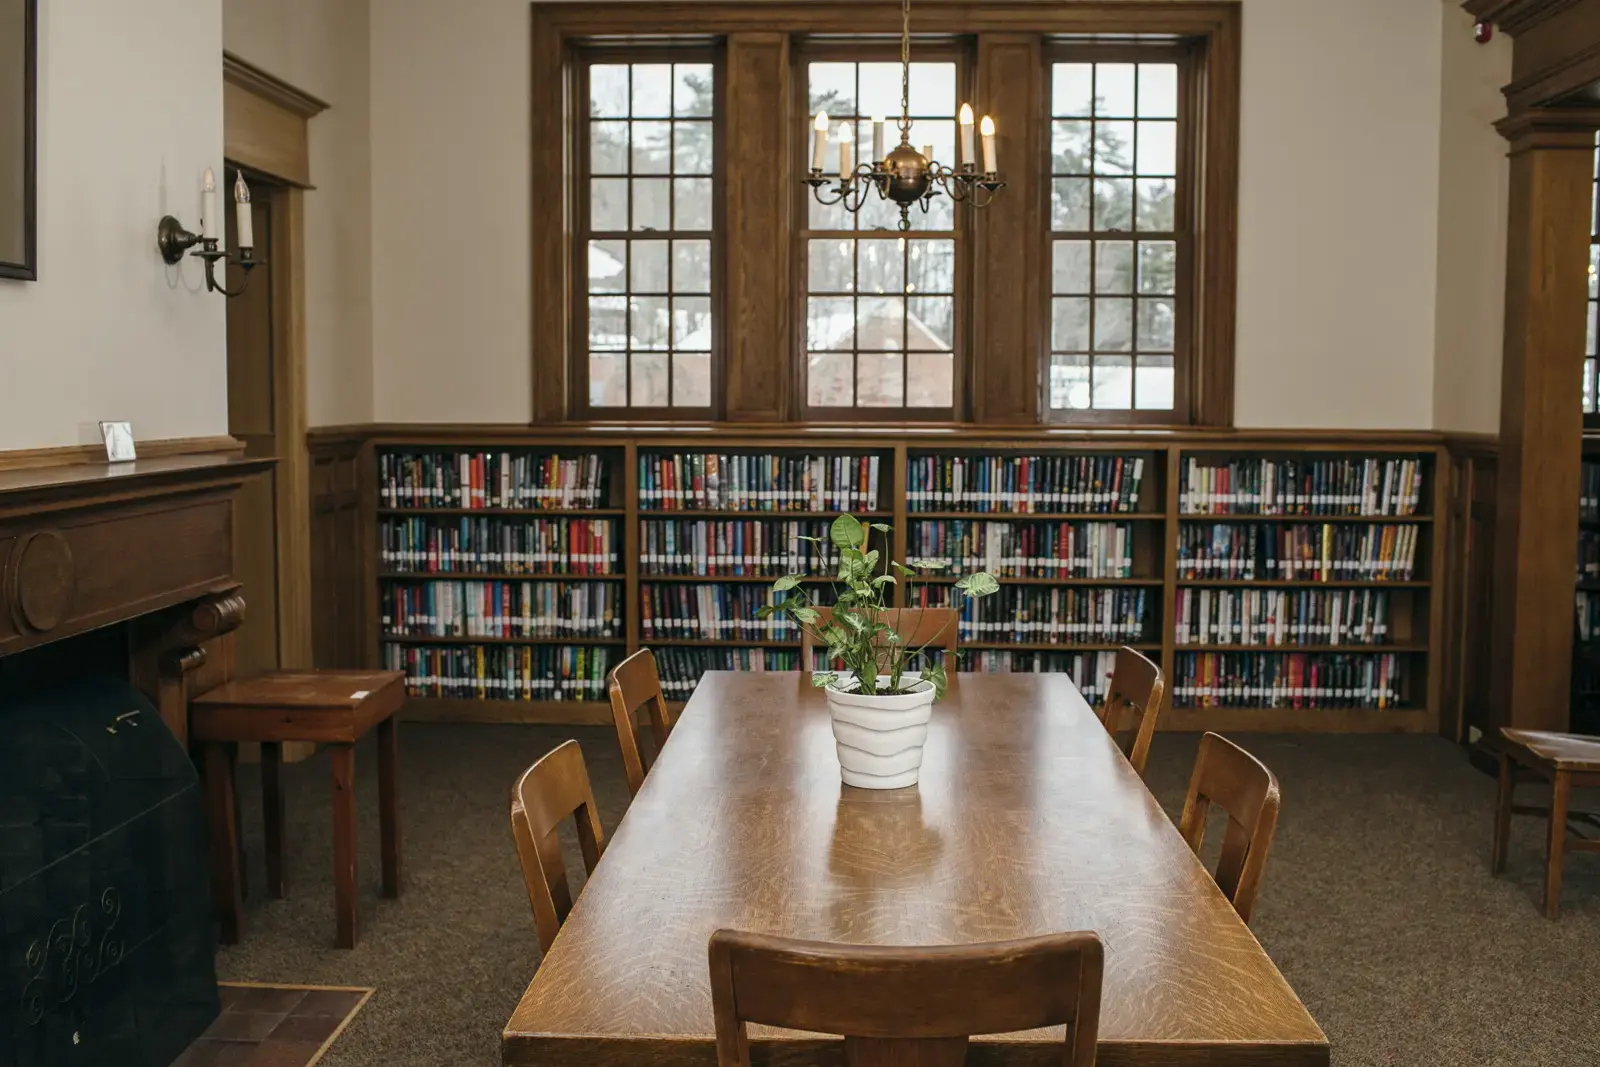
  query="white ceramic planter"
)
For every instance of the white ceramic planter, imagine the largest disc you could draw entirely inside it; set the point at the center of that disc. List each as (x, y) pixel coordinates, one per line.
(880, 738)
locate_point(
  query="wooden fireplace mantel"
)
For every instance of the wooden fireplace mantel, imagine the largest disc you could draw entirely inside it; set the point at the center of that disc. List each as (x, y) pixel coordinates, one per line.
(149, 544)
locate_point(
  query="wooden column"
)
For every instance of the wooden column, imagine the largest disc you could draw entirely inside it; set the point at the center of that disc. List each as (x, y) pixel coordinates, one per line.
(760, 190)
(1009, 268)
(1541, 415)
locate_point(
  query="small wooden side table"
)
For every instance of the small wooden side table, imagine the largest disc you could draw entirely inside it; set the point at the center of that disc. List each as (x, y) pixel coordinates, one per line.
(1563, 760)
(336, 708)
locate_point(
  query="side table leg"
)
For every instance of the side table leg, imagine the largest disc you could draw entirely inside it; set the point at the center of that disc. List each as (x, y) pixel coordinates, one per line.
(1502, 814)
(226, 901)
(272, 815)
(389, 803)
(1560, 793)
(343, 760)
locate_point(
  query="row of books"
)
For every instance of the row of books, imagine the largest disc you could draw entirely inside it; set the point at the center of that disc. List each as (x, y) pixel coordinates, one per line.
(1028, 484)
(1588, 555)
(681, 668)
(1589, 493)
(755, 547)
(1281, 617)
(1090, 671)
(502, 609)
(1270, 551)
(1027, 615)
(1369, 486)
(490, 480)
(503, 672)
(1588, 605)
(710, 481)
(721, 612)
(1026, 549)
(1288, 680)
(428, 545)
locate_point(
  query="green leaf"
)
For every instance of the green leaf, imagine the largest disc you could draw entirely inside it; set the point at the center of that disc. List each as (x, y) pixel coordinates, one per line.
(881, 528)
(923, 563)
(846, 532)
(884, 579)
(902, 568)
(809, 616)
(934, 673)
(981, 583)
(786, 583)
(870, 559)
(823, 678)
(766, 611)
(805, 537)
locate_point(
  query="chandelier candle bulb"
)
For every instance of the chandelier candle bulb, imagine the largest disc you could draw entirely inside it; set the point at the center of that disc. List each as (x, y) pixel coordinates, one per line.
(987, 129)
(877, 138)
(208, 205)
(241, 197)
(967, 154)
(819, 140)
(927, 152)
(847, 139)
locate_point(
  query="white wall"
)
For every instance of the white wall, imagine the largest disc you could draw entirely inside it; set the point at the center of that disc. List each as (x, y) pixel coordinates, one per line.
(109, 331)
(1340, 314)
(321, 47)
(1474, 185)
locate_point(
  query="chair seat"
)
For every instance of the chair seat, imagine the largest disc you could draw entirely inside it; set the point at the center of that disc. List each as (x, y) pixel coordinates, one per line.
(1568, 752)
(329, 706)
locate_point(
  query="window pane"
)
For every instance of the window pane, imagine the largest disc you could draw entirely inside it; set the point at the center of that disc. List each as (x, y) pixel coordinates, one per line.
(608, 379)
(1113, 90)
(1113, 325)
(608, 203)
(830, 380)
(930, 322)
(1158, 148)
(652, 209)
(1069, 382)
(608, 322)
(607, 266)
(1158, 266)
(1156, 325)
(1113, 382)
(608, 90)
(1156, 198)
(648, 322)
(1113, 203)
(880, 322)
(692, 89)
(882, 266)
(931, 267)
(647, 271)
(691, 379)
(608, 148)
(1069, 330)
(878, 380)
(1158, 90)
(1153, 382)
(1072, 89)
(691, 323)
(652, 147)
(933, 88)
(930, 379)
(833, 88)
(691, 199)
(691, 266)
(830, 323)
(1113, 267)
(832, 265)
(1070, 266)
(1069, 204)
(650, 379)
(691, 147)
(1069, 147)
(879, 87)
(652, 91)
(1113, 148)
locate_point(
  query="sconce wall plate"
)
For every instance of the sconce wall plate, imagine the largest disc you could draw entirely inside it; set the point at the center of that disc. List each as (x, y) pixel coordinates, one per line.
(173, 241)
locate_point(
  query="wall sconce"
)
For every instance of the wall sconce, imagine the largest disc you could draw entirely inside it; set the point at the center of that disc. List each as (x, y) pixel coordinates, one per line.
(173, 240)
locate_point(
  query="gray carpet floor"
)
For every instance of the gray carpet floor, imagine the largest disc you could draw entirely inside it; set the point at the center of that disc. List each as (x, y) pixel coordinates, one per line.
(1377, 904)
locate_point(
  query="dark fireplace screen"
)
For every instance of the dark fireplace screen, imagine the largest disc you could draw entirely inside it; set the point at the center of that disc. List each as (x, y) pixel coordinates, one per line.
(105, 913)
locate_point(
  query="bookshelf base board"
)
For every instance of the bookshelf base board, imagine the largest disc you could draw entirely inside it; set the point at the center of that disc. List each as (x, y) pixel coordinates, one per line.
(1299, 720)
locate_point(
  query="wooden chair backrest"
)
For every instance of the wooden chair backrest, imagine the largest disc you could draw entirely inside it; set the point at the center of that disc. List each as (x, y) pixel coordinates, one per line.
(906, 1007)
(1137, 687)
(552, 789)
(635, 684)
(917, 626)
(1233, 779)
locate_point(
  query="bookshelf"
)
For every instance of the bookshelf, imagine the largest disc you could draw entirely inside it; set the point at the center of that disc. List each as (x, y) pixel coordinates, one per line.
(1196, 548)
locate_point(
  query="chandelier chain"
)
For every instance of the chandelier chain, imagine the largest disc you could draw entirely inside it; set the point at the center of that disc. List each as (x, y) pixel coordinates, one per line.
(905, 72)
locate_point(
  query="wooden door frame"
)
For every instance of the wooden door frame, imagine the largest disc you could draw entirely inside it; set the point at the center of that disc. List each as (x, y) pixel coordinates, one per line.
(265, 130)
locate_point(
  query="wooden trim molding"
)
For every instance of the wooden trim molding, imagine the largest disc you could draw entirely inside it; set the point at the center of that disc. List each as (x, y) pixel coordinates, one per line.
(71, 455)
(1514, 16)
(264, 122)
(269, 87)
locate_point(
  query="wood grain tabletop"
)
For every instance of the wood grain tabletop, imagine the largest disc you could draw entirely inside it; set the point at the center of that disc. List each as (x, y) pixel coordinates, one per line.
(1027, 821)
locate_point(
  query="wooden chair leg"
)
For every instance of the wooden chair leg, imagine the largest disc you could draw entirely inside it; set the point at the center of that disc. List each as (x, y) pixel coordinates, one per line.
(226, 901)
(389, 803)
(272, 815)
(343, 759)
(1502, 814)
(1560, 794)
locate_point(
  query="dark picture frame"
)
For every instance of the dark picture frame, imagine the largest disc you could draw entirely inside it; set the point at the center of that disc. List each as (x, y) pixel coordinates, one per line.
(19, 161)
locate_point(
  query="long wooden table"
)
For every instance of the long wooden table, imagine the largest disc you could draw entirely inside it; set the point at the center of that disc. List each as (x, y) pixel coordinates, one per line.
(1027, 820)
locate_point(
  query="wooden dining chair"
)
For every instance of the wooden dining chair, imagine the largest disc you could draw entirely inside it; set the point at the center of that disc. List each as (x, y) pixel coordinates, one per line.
(636, 684)
(1138, 689)
(906, 1007)
(1233, 779)
(916, 626)
(552, 789)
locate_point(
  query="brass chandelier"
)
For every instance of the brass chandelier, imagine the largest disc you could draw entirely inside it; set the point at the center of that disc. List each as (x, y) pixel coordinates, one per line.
(904, 175)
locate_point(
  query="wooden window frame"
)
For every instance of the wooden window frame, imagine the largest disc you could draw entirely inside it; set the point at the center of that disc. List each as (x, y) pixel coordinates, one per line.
(1591, 419)
(807, 51)
(584, 57)
(1006, 346)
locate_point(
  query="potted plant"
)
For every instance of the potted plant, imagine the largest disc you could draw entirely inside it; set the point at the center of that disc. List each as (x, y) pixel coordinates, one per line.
(879, 705)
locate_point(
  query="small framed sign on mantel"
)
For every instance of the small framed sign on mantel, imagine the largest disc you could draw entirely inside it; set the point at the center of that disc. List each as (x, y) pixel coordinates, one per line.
(119, 441)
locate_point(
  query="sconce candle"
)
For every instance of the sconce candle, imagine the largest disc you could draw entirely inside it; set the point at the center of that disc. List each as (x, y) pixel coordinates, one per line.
(819, 140)
(967, 154)
(877, 139)
(241, 197)
(208, 205)
(847, 143)
(986, 127)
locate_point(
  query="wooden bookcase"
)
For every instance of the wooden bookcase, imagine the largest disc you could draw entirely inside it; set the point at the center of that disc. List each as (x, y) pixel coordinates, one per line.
(1415, 630)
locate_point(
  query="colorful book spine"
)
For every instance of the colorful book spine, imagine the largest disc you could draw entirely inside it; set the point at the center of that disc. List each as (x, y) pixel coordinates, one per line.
(1589, 493)
(1090, 671)
(680, 668)
(1057, 484)
(1325, 552)
(735, 547)
(714, 612)
(1026, 549)
(1295, 486)
(706, 481)
(501, 609)
(502, 672)
(1289, 680)
(427, 545)
(1279, 617)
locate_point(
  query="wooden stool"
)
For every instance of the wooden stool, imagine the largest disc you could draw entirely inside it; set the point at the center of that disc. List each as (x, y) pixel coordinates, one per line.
(333, 707)
(1564, 760)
